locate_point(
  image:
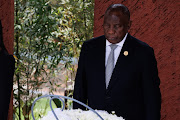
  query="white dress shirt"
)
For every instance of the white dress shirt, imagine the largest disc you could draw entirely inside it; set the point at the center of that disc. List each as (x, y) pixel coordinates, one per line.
(116, 51)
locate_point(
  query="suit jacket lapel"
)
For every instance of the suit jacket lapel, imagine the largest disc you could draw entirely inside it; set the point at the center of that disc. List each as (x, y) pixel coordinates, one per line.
(99, 53)
(123, 60)
(102, 58)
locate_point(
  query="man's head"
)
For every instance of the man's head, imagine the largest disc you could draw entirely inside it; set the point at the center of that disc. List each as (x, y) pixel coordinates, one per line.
(116, 22)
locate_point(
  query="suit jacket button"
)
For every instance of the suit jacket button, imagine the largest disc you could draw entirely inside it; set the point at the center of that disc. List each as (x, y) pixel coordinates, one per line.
(108, 98)
(107, 92)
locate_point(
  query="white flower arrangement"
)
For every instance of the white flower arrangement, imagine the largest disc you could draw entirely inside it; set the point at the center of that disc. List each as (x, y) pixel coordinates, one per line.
(79, 114)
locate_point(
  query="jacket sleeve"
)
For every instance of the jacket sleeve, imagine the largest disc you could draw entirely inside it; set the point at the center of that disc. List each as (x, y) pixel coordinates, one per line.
(150, 86)
(80, 87)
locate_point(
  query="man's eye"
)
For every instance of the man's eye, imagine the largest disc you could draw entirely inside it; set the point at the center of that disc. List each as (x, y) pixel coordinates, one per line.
(118, 26)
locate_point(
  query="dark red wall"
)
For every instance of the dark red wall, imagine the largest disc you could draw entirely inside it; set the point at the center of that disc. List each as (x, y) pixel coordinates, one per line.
(155, 22)
(7, 18)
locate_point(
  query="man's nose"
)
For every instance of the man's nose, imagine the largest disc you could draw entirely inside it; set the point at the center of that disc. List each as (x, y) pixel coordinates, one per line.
(111, 30)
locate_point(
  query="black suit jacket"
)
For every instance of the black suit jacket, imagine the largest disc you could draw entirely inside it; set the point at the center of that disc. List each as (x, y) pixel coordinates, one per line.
(6, 78)
(133, 91)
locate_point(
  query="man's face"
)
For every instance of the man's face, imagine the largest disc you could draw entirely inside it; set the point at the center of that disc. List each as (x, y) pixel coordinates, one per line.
(115, 26)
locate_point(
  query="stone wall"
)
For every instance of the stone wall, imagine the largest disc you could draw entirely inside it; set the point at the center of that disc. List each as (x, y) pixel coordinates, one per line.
(155, 22)
(7, 19)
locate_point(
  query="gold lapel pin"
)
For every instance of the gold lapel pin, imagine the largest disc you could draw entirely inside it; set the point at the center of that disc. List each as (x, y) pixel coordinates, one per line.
(125, 53)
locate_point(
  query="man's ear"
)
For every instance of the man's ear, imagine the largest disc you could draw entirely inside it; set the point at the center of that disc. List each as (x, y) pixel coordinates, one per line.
(129, 24)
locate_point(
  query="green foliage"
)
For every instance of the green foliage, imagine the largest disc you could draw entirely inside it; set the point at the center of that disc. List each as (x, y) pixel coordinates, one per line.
(41, 109)
(47, 32)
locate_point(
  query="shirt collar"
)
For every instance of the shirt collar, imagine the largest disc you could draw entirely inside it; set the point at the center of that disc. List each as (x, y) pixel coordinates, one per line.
(120, 43)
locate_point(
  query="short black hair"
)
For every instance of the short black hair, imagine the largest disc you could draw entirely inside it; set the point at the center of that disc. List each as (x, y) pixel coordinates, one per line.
(119, 7)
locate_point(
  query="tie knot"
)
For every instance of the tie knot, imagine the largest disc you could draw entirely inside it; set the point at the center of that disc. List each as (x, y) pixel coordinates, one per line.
(113, 46)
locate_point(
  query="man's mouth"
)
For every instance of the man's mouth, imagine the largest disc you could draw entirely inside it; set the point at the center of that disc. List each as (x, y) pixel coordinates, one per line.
(111, 38)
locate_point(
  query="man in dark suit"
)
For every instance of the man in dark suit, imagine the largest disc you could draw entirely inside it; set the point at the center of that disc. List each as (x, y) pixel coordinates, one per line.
(6, 78)
(131, 88)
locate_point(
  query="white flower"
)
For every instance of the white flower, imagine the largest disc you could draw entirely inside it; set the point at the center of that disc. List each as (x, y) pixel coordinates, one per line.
(78, 114)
